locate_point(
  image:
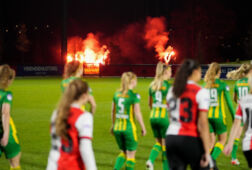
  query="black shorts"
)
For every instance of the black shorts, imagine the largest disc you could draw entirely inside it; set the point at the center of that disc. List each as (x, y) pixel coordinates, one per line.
(248, 155)
(182, 151)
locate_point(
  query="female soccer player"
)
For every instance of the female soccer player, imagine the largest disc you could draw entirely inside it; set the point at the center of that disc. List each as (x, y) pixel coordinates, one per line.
(187, 140)
(124, 106)
(243, 113)
(219, 92)
(72, 131)
(8, 133)
(241, 89)
(159, 117)
(74, 70)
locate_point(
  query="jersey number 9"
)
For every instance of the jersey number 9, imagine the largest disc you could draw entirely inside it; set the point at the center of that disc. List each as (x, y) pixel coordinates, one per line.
(213, 97)
(158, 96)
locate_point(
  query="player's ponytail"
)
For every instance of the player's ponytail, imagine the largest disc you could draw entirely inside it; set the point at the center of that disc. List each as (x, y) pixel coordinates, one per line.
(6, 74)
(71, 68)
(182, 75)
(126, 79)
(157, 83)
(72, 93)
(239, 73)
(211, 73)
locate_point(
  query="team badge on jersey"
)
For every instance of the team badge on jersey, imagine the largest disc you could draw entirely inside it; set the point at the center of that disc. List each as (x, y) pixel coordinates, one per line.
(9, 97)
(138, 96)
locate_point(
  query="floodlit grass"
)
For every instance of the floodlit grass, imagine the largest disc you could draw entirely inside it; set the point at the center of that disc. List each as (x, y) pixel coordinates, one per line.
(35, 99)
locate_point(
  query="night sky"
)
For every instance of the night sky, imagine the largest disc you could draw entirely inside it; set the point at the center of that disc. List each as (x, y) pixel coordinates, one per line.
(211, 30)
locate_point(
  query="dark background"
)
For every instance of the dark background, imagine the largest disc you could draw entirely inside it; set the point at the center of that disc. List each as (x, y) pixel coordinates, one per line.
(211, 30)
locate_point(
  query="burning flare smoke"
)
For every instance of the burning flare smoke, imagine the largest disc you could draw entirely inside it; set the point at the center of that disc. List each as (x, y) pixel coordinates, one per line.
(87, 51)
(157, 37)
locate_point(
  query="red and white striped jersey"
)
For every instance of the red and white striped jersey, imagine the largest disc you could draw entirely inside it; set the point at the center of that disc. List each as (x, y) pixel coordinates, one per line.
(65, 154)
(244, 112)
(185, 109)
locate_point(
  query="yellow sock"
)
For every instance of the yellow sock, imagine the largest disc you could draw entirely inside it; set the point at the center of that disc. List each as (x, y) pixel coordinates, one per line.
(16, 168)
(218, 148)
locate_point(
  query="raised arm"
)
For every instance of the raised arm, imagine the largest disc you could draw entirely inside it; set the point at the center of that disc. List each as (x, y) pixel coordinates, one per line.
(139, 117)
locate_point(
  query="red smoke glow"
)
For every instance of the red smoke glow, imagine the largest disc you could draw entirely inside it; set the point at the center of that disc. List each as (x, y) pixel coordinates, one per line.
(157, 37)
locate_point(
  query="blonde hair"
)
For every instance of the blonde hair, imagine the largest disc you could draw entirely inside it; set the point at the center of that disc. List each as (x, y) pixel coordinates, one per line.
(156, 84)
(239, 73)
(211, 73)
(126, 79)
(6, 74)
(73, 92)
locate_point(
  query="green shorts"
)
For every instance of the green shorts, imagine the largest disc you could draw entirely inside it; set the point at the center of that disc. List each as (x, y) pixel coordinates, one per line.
(13, 148)
(217, 126)
(159, 127)
(126, 140)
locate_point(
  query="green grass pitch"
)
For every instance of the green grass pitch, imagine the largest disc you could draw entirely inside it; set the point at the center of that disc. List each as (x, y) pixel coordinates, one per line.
(35, 99)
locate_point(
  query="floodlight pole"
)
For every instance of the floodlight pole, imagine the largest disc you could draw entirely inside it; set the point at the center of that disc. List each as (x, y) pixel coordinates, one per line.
(64, 32)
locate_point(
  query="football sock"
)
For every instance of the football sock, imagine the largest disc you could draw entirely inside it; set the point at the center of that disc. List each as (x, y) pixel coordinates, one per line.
(120, 160)
(218, 148)
(235, 148)
(16, 168)
(130, 164)
(164, 159)
(154, 152)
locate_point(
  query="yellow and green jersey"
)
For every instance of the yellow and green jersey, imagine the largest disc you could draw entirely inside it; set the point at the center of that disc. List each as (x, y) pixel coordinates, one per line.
(65, 82)
(219, 92)
(125, 110)
(159, 108)
(13, 147)
(5, 97)
(241, 87)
